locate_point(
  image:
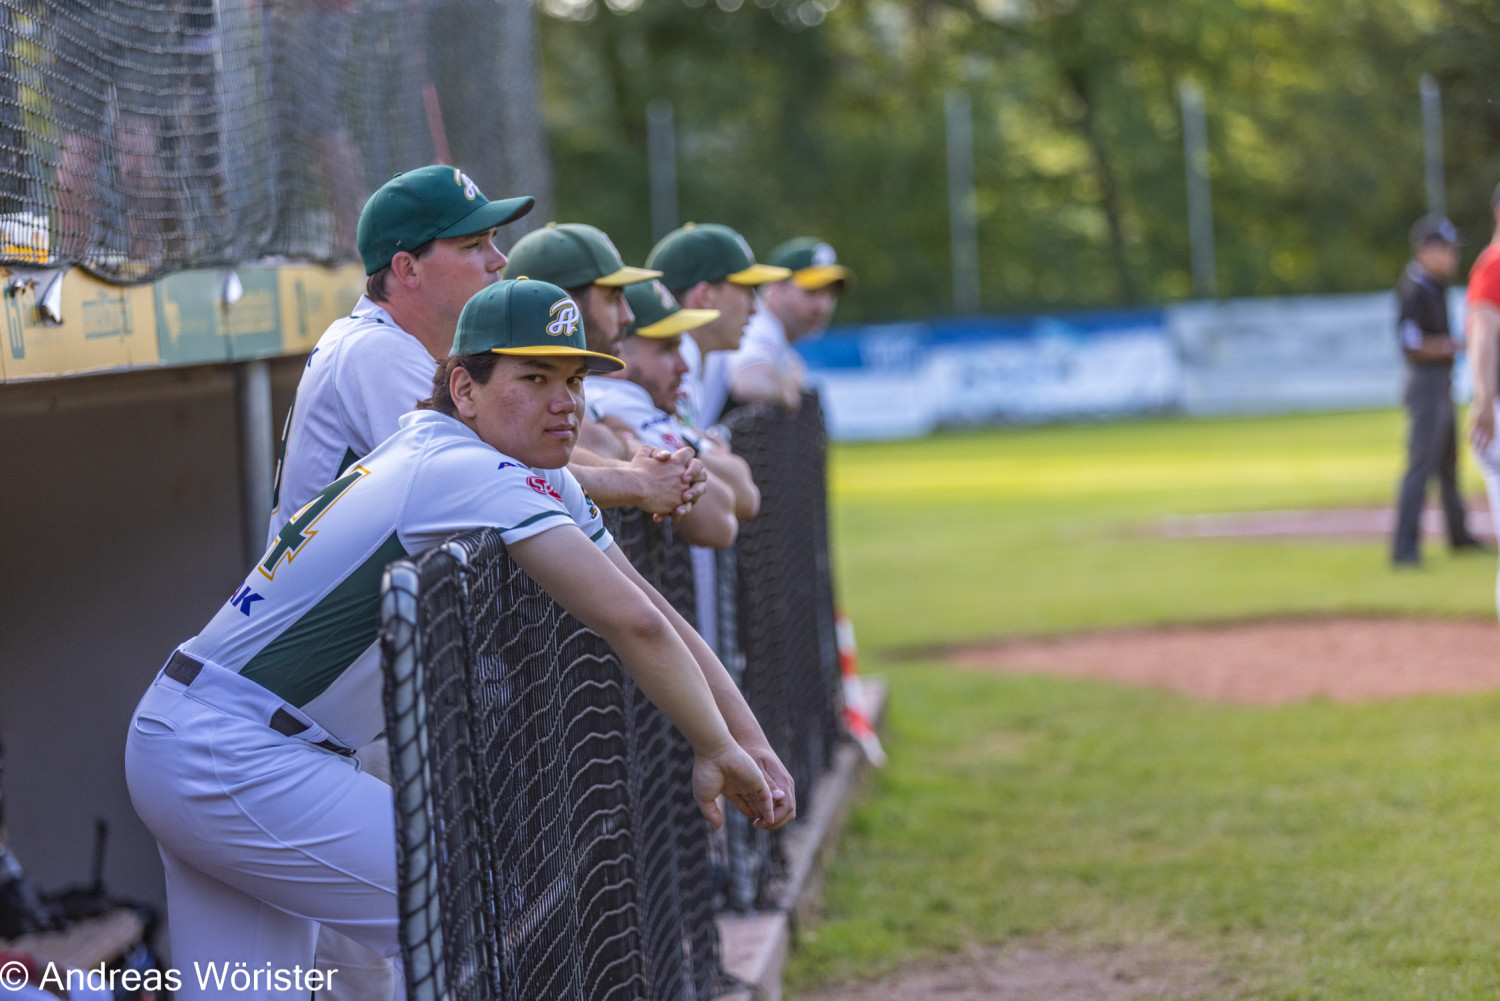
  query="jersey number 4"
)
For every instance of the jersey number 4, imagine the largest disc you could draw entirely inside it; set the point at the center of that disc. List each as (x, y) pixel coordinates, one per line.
(297, 532)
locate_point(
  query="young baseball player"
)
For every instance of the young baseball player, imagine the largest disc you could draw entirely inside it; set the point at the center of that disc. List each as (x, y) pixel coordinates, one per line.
(239, 754)
(710, 266)
(645, 395)
(766, 366)
(583, 260)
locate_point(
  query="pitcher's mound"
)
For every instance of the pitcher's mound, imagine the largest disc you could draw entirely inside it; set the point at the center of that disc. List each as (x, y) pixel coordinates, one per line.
(1346, 660)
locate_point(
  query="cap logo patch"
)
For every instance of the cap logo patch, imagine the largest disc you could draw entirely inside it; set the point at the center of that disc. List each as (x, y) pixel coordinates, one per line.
(823, 256)
(565, 318)
(471, 190)
(667, 302)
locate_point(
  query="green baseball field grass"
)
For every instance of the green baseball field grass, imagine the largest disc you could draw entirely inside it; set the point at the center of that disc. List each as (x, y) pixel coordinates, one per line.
(1312, 851)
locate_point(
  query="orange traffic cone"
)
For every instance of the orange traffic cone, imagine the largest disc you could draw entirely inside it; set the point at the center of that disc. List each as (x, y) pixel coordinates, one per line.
(856, 708)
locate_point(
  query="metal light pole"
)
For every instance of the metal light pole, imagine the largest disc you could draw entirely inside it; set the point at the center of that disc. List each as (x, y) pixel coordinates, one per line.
(1199, 196)
(963, 225)
(1432, 145)
(661, 143)
(257, 453)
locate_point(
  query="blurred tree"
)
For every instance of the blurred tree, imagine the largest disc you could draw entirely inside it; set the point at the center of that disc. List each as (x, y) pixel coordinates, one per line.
(825, 116)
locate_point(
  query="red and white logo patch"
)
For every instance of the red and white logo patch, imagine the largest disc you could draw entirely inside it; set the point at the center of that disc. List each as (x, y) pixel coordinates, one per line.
(541, 486)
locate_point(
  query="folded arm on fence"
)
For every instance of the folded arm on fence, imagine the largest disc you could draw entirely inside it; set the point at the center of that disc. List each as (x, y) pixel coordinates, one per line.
(591, 586)
(742, 724)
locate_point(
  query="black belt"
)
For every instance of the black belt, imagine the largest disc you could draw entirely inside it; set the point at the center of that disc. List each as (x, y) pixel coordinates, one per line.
(185, 669)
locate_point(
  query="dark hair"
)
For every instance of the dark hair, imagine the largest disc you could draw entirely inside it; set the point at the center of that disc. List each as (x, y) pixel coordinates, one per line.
(480, 368)
(375, 283)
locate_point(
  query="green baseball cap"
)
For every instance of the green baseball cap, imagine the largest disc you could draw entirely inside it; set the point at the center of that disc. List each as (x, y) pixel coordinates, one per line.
(428, 203)
(812, 262)
(657, 313)
(709, 253)
(525, 317)
(571, 255)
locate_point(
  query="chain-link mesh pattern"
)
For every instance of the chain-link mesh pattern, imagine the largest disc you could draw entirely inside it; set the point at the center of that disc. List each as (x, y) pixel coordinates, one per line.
(139, 137)
(550, 847)
(785, 607)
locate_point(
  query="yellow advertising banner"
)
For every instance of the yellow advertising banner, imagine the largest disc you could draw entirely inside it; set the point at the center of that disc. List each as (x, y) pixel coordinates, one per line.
(183, 319)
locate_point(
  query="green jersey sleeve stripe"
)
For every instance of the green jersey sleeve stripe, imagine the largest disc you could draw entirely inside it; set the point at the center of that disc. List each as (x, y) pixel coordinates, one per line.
(536, 518)
(597, 535)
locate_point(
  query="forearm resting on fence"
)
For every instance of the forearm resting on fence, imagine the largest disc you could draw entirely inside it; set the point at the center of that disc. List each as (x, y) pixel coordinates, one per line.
(1484, 355)
(734, 472)
(743, 725)
(763, 381)
(711, 522)
(589, 584)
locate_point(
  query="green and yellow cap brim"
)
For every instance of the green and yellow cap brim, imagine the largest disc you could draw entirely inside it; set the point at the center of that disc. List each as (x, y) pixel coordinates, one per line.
(820, 277)
(758, 274)
(488, 216)
(676, 323)
(597, 362)
(627, 276)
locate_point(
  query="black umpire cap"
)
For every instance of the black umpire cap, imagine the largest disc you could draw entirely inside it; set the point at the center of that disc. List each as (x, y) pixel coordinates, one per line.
(1433, 229)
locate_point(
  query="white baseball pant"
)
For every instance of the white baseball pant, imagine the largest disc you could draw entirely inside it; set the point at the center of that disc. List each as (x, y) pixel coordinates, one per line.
(263, 836)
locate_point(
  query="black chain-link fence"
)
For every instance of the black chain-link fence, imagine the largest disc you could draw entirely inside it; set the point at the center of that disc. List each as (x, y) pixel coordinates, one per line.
(139, 137)
(550, 845)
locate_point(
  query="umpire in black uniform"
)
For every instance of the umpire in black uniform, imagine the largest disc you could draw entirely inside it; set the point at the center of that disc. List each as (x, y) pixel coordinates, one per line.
(1432, 446)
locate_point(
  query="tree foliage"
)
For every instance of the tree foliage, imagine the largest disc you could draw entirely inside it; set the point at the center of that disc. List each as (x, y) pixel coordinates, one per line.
(826, 117)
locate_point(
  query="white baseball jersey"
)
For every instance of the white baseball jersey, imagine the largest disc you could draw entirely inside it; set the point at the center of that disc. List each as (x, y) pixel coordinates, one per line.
(705, 387)
(304, 622)
(363, 375)
(765, 343)
(621, 398)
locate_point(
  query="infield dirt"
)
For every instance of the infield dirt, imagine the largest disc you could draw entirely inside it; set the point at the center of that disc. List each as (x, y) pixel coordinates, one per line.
(1270, 663)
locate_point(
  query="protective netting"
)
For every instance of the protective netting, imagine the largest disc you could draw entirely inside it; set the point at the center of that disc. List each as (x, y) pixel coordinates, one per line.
(144, 136)
(784, 606)
(550, 845)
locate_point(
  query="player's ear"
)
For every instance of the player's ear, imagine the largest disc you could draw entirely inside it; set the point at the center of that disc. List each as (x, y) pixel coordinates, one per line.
(404, 268)
(461, 387)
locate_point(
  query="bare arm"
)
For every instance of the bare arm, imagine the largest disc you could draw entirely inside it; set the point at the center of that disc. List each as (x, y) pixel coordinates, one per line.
(1434, 347)
(596, 442)
(762, 381)
(711, 522)
(1484, 354)
(589, 584)
(734, 472)
(742, 724)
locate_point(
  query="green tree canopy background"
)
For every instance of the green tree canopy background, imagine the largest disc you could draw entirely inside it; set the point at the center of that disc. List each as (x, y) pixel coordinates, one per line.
(826, 117)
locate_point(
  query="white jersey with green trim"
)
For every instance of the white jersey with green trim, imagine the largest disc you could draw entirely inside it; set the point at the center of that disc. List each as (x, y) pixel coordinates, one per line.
(629, 401)
(304, 622)
(363, 375)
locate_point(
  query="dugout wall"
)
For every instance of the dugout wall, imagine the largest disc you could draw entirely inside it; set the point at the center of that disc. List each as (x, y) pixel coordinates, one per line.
(120, 536)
